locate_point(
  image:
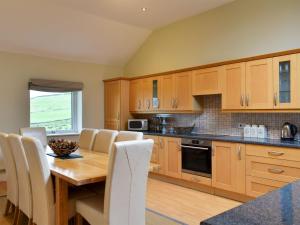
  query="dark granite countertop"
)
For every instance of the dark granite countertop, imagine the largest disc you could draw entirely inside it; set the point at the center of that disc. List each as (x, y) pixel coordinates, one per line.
(280, 207)
(236, 139)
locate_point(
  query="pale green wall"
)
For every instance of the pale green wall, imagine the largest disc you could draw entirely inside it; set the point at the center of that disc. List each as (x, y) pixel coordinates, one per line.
(240, 29)
(17, 69)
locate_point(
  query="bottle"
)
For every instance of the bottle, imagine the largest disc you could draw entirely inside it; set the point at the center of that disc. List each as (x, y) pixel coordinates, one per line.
(247, 130)
(253, 131)
(262, 131)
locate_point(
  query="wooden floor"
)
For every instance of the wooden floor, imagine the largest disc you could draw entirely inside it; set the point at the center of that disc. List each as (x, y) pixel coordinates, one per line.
(180, 203)
(183, 204)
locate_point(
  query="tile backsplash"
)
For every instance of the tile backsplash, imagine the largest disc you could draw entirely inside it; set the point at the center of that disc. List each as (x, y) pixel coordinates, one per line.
(214, 121)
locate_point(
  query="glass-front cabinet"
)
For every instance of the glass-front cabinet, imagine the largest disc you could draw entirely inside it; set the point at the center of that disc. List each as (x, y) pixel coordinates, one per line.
(151, 93)
(286, 80)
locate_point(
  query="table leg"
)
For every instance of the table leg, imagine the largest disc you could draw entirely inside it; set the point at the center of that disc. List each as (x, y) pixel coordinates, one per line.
(61, 201)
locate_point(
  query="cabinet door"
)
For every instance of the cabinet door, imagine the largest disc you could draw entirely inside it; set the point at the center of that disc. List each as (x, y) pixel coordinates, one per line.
(112, 105)
(172, 157)
(286, 80)
(162, 155)
(147, 93)
(136, 96)
(233, 83)
(259, 84)
(183, 91)
(155, 150)
(206, 81)
(228, 166)
(167, 92)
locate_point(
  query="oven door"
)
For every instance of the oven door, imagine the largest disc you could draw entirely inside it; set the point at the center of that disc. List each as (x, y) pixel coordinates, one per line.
(196, 160)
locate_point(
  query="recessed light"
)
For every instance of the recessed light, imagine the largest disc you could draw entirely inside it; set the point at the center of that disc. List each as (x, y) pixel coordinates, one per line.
(144, 9)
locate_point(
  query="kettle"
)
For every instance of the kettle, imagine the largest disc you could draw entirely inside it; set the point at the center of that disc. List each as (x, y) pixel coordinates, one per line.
(288, 131)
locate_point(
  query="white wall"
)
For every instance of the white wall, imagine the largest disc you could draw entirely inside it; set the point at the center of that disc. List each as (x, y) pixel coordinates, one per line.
(240, 29)
(17, 69)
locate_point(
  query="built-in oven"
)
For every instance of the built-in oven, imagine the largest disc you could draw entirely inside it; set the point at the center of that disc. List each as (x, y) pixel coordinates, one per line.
(196, 156)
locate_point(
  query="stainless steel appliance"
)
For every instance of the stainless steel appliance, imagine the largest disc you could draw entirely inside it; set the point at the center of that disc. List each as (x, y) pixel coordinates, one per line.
(138, 124)
(288, 131)
(196, 156)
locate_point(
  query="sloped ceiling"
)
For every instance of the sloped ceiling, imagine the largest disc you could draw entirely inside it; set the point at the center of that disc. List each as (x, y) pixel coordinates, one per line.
(100, 31)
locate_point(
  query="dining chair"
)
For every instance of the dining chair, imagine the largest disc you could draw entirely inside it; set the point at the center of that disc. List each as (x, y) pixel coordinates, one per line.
(36, 132)
(11, 178)
(124, 200)
(86, 138)
(24, 183)
(129, 136)
(104, 140)
(42, 186)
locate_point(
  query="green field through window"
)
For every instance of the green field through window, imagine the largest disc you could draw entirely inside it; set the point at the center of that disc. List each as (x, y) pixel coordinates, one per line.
(51, 110)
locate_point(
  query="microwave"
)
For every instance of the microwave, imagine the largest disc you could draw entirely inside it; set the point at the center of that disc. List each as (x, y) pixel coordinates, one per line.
(138, 124)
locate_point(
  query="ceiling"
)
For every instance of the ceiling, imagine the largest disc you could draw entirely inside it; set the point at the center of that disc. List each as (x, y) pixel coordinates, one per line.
(100, 31)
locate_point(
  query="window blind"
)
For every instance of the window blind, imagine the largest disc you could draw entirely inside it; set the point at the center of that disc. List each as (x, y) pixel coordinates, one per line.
(54, 85)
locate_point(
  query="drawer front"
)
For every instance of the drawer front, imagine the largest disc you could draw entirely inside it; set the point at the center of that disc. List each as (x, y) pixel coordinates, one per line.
(256, 186)
(275, 169)
(196, 179)
(273, 152)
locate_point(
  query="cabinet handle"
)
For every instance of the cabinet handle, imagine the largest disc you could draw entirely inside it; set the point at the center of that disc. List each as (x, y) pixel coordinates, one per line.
(176, 103)
(276, 153)
(239, 153)
(139, 104)
(118, 116)
(158, 103)
(275, 99)
(161, 143)
(172, 102)
(148, 104)
(247, 100)
(275, 170)
(242, 100)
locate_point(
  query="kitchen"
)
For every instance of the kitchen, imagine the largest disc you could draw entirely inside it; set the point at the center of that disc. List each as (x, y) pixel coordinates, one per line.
(226, 129)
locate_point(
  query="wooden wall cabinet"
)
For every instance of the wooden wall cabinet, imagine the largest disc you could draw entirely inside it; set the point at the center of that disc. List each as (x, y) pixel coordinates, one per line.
(207, 81)
(234, 86)
(228, 167)
(248, 86)
(176, 93)
(116, 104)
(151, 93)
(286, 82)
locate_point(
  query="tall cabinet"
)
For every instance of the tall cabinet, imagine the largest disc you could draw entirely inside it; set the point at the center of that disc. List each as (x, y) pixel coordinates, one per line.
(116, 104)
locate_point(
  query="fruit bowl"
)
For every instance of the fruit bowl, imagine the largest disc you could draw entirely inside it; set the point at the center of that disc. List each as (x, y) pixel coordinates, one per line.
(62, 147)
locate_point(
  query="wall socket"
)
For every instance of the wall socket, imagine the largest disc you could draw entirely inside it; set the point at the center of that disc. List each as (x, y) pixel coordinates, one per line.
(241, 125)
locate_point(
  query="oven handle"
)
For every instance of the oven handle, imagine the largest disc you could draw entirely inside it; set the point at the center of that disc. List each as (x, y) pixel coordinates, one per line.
(192, 147)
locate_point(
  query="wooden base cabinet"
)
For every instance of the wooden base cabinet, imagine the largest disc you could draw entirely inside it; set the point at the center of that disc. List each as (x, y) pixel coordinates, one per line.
(116, 104)
(172, 151)
(257, 186)
(228, 167)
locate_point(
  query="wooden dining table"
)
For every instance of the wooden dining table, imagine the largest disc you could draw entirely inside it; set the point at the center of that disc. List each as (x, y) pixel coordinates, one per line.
(91, 168)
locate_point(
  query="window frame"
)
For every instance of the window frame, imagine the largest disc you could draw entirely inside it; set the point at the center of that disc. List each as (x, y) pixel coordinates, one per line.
(76, 114)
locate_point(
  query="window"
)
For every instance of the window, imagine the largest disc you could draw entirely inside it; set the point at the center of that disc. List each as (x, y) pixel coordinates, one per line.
(58, 111)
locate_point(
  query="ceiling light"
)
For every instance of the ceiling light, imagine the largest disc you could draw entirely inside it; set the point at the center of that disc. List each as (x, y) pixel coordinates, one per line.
(144, 9)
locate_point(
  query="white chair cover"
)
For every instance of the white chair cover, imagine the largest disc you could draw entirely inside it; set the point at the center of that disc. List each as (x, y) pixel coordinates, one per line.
(104, 140)
(41, 182)
(24, 183)
(36, 132)
(125, 191)
(11, 172)
(129, 136)
(86, 139)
